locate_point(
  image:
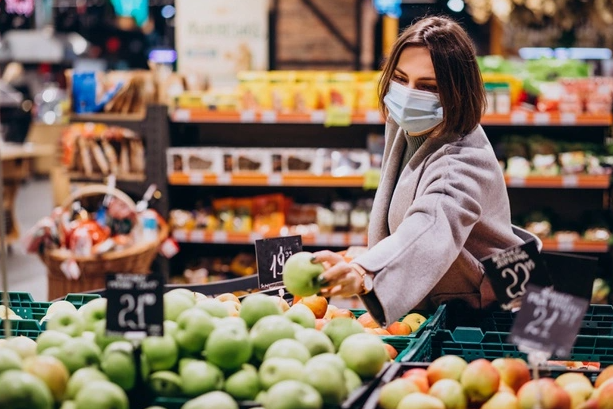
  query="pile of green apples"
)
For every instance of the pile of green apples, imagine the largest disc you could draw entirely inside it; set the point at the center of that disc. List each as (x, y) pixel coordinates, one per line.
(449, 382)
(215, 353)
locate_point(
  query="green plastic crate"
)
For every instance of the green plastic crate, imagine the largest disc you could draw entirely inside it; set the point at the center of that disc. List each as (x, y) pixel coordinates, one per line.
(417, 350)
(598, 320)
(31, 313)
(79, 299)
(28, 328)
(18, 299)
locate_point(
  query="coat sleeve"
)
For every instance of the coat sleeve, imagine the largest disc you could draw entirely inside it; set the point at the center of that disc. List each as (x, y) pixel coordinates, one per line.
(412, 260)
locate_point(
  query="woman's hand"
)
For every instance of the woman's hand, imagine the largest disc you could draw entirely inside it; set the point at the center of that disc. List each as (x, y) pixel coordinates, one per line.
(340, 278)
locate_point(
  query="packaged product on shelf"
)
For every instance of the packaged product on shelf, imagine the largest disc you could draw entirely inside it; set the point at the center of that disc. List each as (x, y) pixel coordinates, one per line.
(572, 162)
(224, 211)
(309, 90)
(341, 211)
(325, 220)
(367, 97)
(545, 165)
(243, 208)
(203, 160)
(281, 85)
(176, 162)
(359, 216)
(296, 160)
(268, 213)
(243, 264)
(253, 160)
(342, 91)
(375, 145)
(276, 160)
(597, 234)
(254, 90)
(349, 162)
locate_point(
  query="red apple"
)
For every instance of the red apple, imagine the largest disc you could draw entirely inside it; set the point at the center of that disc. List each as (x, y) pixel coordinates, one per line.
(480, 381)
(392, 393)
(420, 377)
(446, 367)
(551, 395)
(606, 374)
(605, 396)
(317, 304)
(513, 372)
(367, 321)
(501, 400)
(399, 328)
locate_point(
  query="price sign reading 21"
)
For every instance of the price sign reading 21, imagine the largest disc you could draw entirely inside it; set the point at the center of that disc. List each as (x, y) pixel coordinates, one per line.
(271, 255)
(511, 270)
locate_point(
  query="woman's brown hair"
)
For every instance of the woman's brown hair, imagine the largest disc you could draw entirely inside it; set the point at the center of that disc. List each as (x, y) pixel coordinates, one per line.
(459, 82)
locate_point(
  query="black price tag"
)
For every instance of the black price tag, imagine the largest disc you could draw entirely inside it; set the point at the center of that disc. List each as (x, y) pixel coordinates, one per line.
(548, 321)
(512, 269)
(135, 305)
(271, 255)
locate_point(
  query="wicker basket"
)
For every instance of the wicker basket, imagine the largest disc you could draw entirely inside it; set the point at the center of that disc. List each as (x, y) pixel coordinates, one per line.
(136, 259)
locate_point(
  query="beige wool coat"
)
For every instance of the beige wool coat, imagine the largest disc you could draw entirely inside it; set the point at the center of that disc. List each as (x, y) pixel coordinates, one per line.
(432, 223)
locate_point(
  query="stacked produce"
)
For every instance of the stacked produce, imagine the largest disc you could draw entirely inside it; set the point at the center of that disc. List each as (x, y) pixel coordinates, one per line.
(505, 383)
(215, 352)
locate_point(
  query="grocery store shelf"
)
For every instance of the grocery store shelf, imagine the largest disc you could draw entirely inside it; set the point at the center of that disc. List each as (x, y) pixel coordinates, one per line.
(80, 177)
(356, 239)
(258, 179)
(565, 182)
(104, 117)
(307, 180)
(221, 237)
(197, 115)
(578, 246)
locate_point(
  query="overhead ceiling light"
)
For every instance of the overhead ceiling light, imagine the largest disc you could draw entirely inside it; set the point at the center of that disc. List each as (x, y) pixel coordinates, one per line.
(456, 5)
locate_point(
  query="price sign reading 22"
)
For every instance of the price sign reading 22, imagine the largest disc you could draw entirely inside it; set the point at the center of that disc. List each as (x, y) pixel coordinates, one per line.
(520, 275)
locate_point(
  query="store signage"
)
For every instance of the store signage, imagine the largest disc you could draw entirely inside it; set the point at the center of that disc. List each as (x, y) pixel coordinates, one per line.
(271, 255)
(548, 321)
(388, 7)
(511, 270)
(22, 7)
(135, 305)
(219, 38)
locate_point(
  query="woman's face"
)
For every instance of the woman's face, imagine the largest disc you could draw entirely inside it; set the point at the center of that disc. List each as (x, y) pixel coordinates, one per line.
(415, 70)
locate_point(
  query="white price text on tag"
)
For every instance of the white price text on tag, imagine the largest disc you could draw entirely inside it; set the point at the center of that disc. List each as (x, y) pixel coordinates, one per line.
(322, 239)
(224, 179)
(356, 239)
(519, 117)
(568, 118)
(196, 179)
(269, 117)
(338, 239)
(541, 118)
(275, 179)
(570, 181)
(197, 236)
(182, 115)
(248, 116)
(180, 235)
(516, 181)
(255, 236)
(220, 237)
(565, 245)
(318, 116)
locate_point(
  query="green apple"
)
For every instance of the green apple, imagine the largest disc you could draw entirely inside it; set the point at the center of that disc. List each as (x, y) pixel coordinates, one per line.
(352, 380)
(228, 347)
(51, 371)
(364, 353)
(316, 341)
(261, 397)
(101, 338)
(268, 330)
(193, 328)
(292, 394)
(211, 400)
(288, 348)
(275, 370)
(166, 384)
(256, 306)
(102, 395)
(340, 328)
(420, 400)
(9, 359)
(24, 346)
(327, 380)
(176, 301)
(198, 377)
(170, 328)
(301, 276)
(92, 312)
(67, 321)
(118, 364)
(244, 384)
(50, 338)
(21, 390)
(213, 307)
(77, 353)
(392, 392)
(61, 305)
(161, 353)
(301, 314)
(81, 378)
(330, 359)
(69, 404)
(231, 322)
(450, 392)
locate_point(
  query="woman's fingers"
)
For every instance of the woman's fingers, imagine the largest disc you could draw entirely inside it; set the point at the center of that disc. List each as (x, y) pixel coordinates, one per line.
(326, 256)
(347, 285)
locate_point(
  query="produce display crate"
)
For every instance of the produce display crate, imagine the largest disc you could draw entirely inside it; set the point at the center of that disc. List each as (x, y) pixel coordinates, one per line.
(18, 299)
(434, 320)
(598, 320)
(472, 343)
(355, 400)
(27, 328)
(24, 305)
(397, 369)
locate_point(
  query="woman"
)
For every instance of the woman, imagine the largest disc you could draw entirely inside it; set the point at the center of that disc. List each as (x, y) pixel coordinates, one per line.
(442, 203)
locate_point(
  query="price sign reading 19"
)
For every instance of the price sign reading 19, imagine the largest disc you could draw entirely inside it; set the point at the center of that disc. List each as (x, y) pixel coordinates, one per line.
(278, 261)
(271, 255)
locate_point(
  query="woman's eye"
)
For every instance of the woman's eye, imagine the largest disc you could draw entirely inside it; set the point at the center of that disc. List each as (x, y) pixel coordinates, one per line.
(430, 88)
(399, 79)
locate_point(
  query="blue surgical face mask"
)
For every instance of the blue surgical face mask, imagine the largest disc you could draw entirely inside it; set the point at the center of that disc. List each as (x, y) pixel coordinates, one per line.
(415, 111)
